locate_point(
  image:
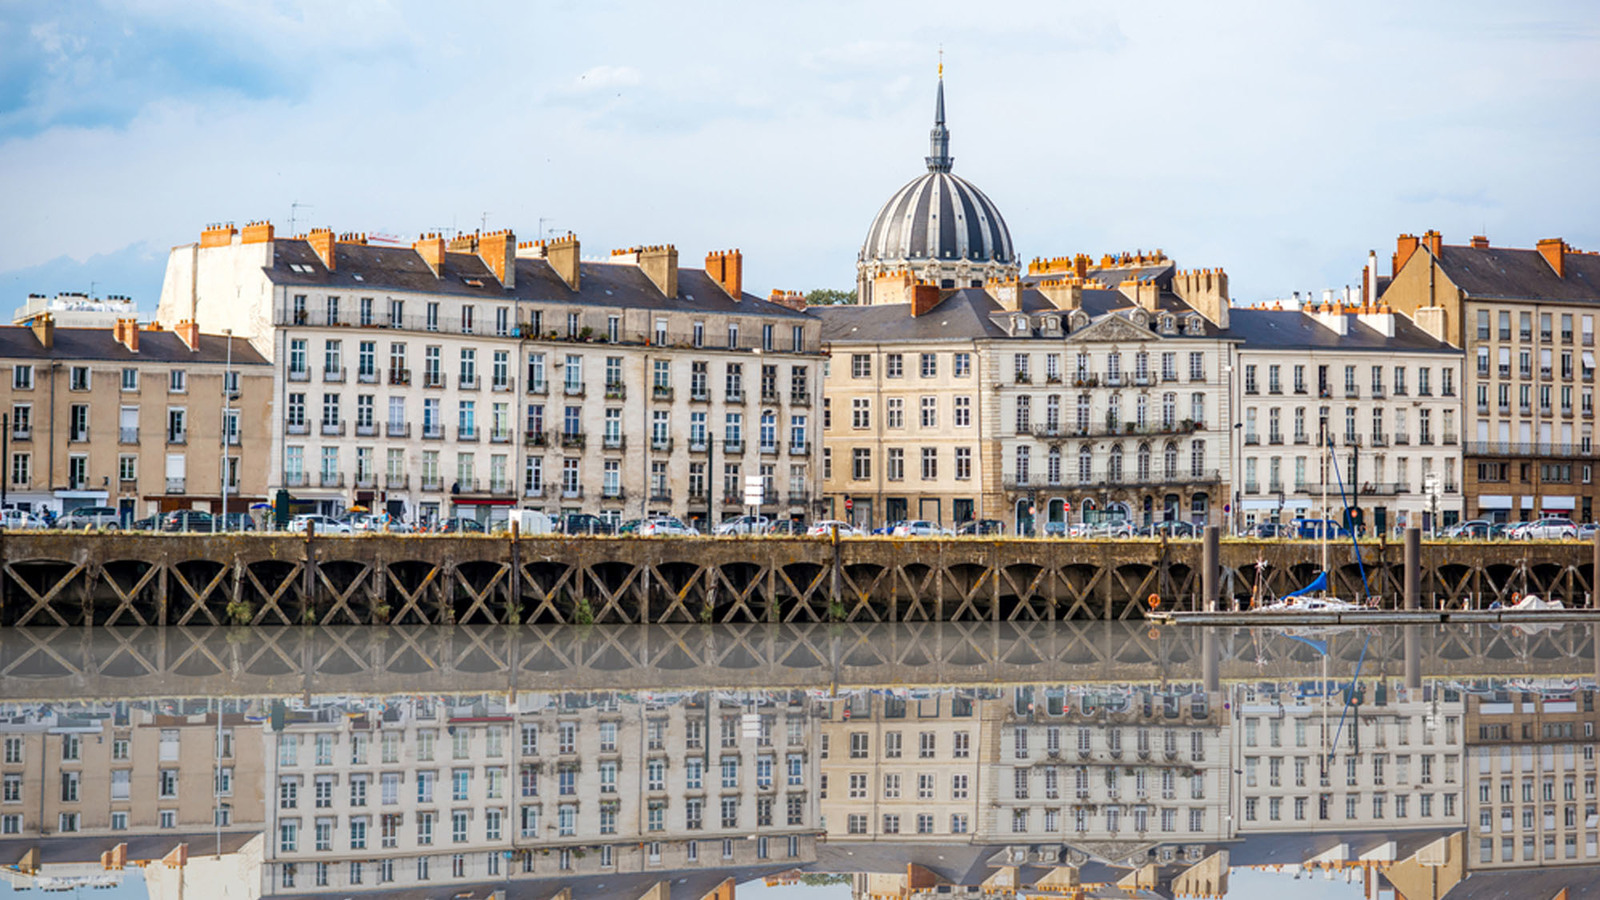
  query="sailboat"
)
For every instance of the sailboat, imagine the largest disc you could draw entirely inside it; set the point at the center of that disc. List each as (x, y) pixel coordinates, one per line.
(1315, 597)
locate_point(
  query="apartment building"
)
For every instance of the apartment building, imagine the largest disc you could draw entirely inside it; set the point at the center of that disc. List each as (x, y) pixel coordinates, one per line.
(140, 419)
(1079, 393)
(1531, 759)
(126, 771)
(468, 376)
(424, 792)
(1393, 761)
(1357, 397)
(1526, 321)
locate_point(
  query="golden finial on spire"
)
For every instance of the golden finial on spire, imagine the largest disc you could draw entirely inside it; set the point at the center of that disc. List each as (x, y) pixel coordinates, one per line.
(941, 62)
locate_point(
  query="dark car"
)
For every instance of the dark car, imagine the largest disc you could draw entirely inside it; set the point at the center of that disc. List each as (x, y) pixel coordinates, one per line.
(1174, 528)
(787, 527)
(1267, 530)
(982, 527)
(148, 523)
(458, 525)
(583, 523)
(187, 520)
(630, 527)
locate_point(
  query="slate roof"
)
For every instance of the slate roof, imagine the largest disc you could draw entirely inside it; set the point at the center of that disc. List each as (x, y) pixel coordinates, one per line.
(101, 345)
(690, 883)
(1273, 329)
(1528, 884)
(966, 315)
(375, 268)
(87, 848)
(1506, 273)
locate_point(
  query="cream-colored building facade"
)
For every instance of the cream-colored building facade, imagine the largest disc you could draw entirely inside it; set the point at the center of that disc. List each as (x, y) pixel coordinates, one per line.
(1386, 395)
(470, 376)
(135, 418)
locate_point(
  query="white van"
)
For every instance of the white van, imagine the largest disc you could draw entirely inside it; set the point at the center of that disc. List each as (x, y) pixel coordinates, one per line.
(530, 522)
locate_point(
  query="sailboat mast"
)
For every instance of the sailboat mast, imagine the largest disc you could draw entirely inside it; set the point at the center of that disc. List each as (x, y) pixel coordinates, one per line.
(1327, 461)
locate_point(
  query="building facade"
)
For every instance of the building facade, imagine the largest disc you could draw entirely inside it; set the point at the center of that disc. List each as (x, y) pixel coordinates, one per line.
(1364, 388)
(1526, 321)
(140, 419)
(465, 377)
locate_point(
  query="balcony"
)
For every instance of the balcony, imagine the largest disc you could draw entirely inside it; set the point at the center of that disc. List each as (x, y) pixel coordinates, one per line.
(660, 494)
(534, 490)
(368, 430)
(500, 436)
(613, 492)
(1275, 439)
(503, 386)
(367, 376)
(366, 480)
(769, 449)
(699, 396)
(697, 446)
(432, 432)
(433, 379)
(502, 488)
(1022, 378)
(1251, 440)
(432, 483)
(661, 392)
(332, 429)
(538, 386)
(176, 485)
(399, 376)
(1384, 488)
(466, 433)
(799, 449)
(616, 390)
(733, 448)
(799, 398)
(296, 479)
(1526, 448)
(661, 444)
(396, 482)
(466, 383)
(331, 480)
(333, 376)
(735, 396)
(125, 435)
(1379, 439)
(1351, 393)
(613, 442)
(232, 440)
(398, 429)
(770, 397)
(297, 427)
(572, 492)
(572, 389)
(299, 374)
(536, 438)
(572, 439)
(1402, 440)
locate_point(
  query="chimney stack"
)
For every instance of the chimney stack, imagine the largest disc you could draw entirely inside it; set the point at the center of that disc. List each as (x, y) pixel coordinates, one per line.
(726, 268)
(321, 241)
(1207, 291)
(256, 233)
(127, 334)
(1405, 245)
(659, 262)
(924, 297)
(1554, 251)
(44, 328)
(431, 248)
(189, 333)
(498, 249)
(217, 235)
(1435, 242)
(1480, 242)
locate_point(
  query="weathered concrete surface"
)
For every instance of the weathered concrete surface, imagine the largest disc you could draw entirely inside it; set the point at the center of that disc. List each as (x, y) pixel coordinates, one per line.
(54, 578)
(72, 662)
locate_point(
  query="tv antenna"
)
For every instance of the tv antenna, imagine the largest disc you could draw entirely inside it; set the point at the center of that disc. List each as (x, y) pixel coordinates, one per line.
(294, 211)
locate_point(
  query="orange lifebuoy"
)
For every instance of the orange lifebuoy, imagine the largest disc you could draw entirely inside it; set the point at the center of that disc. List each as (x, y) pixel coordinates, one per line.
(1155, 600)
(1154, 633)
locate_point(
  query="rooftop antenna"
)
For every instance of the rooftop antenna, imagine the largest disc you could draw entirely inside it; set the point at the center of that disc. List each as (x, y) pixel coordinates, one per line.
(91, 289)
(542, 233)
(294, 209)
(484, 223)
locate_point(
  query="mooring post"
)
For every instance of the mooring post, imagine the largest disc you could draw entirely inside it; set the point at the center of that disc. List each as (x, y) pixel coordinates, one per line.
(308, 576)
(834, 597)
(516, 571)
(1413, 639)
(1413, 562)
(1211, 568)
(1210, 665)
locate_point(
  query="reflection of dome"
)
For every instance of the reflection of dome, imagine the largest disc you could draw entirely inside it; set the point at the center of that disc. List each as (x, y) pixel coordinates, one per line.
(939, 227)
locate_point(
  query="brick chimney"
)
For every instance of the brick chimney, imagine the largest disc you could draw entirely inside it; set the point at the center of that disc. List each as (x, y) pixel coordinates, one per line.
(1063, 293)
(127, 334)
(431, 248)
(1405, 245)
(660, 263)
(1207, 291)
(217, 235)
(256, 233)
(498, 249)
(1143, 293)
(1554, 252)
(726, 267)
(1434, 241)
(794, 300)
(1480, 242)
(924, 297)
(44, 328)
(562, 255)
(189, 333)
(321, 241)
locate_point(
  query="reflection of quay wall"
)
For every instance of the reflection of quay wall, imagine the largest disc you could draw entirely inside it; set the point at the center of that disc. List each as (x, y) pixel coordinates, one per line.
(129, 579)
(74, 662)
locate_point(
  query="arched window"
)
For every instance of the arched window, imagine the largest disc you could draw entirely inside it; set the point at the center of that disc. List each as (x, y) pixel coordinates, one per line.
(1197, 458)
(1171, 460)
(1085, 465)
(1114, 472)
(1144, 462)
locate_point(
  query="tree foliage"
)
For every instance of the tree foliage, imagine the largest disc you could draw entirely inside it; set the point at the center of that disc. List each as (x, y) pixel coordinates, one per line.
(830, 297)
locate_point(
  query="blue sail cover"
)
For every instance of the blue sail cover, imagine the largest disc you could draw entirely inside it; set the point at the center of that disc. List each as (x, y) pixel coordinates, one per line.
(1319, 584)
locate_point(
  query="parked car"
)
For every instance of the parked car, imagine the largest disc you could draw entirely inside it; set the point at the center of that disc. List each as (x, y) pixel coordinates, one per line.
(664, 526)
(919, 528)
(791, 527)
(459, 525)
(320, 524)
(239, 521)
(631, 526)
(90, 517)
(744, 525)
(1549, 529)
(1474, 528)
(187, 520)
(20, 520)
(1586, 531)
(888, 527)
(1111, 528)
(981, 527)
(1312, 529)
(583, 523)
(1174, 528)
(825, 528)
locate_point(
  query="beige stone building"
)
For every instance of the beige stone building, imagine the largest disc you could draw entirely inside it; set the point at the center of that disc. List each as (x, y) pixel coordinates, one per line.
(469, 376)
(1526, 321)
(133, 418)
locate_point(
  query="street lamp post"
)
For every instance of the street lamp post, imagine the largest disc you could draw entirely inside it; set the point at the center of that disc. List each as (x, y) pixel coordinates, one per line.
(227, 408)
(1238, 474)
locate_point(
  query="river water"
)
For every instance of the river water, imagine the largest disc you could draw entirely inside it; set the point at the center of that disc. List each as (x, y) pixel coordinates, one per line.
(828, 761)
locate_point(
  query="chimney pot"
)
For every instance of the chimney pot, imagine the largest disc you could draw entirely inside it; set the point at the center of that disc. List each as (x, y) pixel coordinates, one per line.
(1554, 252)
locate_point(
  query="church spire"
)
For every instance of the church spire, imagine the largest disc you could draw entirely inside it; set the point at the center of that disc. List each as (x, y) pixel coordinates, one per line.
(940, 159)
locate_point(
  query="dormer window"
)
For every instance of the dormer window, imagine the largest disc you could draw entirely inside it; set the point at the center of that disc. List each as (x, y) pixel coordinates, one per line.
(1168, 325)
(1052, 324)
(1139, 318)
(1019, 325)
(1078, 319)
(1192, 325)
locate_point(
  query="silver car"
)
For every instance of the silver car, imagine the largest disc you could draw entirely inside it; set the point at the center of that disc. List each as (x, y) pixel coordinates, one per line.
(90, 517)
(1552, 529)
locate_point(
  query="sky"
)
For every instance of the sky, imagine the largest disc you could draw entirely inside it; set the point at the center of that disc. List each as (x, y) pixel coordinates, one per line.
(1280, 141)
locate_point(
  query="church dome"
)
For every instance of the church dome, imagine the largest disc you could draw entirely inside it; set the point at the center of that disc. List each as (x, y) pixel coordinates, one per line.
(939, 227)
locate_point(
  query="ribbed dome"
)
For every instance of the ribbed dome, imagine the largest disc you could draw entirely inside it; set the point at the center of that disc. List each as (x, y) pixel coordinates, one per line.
(939, 216)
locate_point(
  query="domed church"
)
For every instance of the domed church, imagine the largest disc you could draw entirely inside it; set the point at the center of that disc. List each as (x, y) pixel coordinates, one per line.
(940, 228)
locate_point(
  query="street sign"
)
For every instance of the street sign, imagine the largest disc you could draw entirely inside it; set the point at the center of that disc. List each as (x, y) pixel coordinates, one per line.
(754, 490)
(849, 504)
